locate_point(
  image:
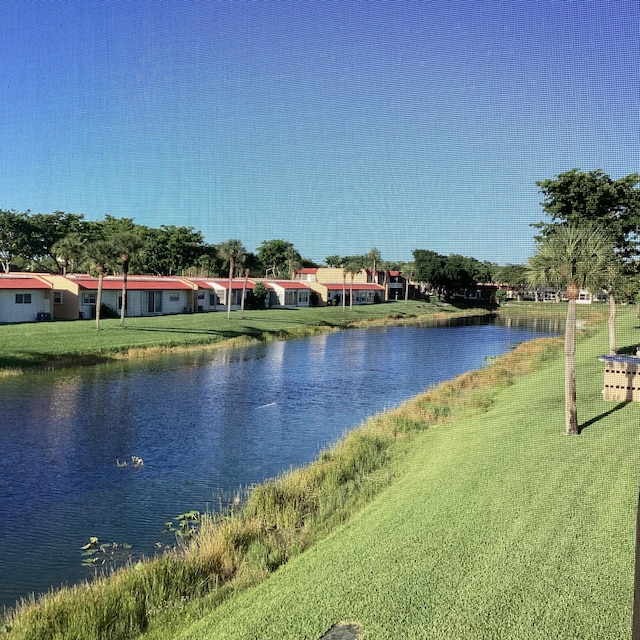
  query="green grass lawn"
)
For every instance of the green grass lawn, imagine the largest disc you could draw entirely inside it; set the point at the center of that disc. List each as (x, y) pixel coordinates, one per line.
(498, 527)
(54, 343)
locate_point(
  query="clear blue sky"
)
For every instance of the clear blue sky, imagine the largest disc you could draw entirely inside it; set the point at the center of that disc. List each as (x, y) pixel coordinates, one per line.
(338, 126)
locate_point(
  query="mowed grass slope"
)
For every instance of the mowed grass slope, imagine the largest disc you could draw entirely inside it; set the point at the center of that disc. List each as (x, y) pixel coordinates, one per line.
(499, 527)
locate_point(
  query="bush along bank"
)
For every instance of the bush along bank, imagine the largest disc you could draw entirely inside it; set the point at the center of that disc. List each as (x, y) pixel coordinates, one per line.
(280, 519)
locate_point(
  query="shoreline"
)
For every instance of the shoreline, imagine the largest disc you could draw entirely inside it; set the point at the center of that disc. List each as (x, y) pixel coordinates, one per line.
(246, 336)
(384, 439)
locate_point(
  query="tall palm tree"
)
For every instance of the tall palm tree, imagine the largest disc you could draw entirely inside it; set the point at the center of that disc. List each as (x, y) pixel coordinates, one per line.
(617, 283)
(408, 269)
(100, 255)
(352, 267)
(575, 257)
(233, 252)
(125, 245)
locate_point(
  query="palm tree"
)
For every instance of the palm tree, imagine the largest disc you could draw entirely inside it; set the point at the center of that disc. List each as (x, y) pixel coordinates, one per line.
(100, 256)
(352, 267)
(233, 252)
(375, 258)
(125, 244)
(293, 261)
(575, 257)
(408, 269)
(68, 250)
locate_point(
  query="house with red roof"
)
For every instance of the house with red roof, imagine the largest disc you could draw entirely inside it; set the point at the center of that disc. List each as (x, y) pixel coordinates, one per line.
(333, 284)
(213, 293)
(25, 298)
(75, 296)
(287, 293)
(335, 293)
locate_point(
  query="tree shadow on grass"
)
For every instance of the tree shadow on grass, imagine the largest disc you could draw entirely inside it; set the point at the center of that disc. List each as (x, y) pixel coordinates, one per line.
(588, 423)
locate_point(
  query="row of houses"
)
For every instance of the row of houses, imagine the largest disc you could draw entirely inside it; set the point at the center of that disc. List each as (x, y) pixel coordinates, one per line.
(28, 297)
(551, 294)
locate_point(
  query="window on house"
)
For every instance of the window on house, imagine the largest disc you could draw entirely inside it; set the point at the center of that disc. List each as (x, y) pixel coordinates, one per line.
(303, 296)
(175, 297)
(89, 297)
(57, 297)
(23, 298)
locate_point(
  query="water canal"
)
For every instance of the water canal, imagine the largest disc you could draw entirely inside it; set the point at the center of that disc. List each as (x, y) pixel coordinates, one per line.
(206, 425)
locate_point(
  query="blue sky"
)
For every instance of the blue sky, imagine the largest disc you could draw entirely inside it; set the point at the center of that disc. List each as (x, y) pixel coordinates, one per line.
(338, 126)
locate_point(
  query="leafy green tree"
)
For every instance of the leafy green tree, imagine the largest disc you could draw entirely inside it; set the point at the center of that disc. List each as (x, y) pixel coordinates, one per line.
(169, 250)
(458, 274)
(575, 257)
(260, 293)
(14, 233)
(208, 262)
(279, 258)
(333, 261)
(430, 269)
(233, 253)
(514, 276)
(593, 198)
(45, 231)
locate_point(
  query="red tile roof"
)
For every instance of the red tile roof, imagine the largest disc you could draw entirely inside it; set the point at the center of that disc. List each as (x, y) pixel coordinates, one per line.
(23, 282)
(212, 283)
(357, 286)
(285, 284)
(111, 283)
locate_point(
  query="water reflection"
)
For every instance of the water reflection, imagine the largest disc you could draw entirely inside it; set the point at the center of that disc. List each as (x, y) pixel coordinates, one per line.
(205, 424)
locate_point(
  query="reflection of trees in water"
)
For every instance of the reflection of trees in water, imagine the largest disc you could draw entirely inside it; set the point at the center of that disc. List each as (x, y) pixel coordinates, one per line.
(537, 324)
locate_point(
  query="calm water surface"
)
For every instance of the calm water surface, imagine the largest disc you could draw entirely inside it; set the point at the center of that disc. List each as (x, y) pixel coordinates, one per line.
(205, 425)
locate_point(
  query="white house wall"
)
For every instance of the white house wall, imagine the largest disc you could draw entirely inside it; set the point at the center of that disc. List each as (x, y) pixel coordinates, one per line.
(138, 302)
(24, 312)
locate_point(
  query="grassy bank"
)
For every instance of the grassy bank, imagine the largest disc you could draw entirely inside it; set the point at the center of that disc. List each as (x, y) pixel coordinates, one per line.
(64, 343)
(498, 527)
(491, 525)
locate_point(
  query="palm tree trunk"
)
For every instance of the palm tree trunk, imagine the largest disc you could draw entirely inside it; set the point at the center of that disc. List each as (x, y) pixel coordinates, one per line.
(344, 289)
(570, 398)
(99, 299)
(232, 267)
(244, 289)
(612, 325)
(351, 293)
(123, 309)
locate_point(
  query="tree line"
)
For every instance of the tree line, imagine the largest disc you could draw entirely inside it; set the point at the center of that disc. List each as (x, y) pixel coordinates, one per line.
(62, 242)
